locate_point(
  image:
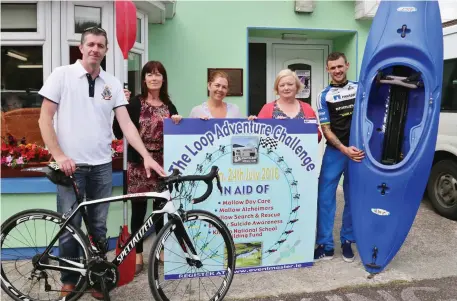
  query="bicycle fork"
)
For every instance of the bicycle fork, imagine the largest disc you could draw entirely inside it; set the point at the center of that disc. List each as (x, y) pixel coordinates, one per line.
(186, 244)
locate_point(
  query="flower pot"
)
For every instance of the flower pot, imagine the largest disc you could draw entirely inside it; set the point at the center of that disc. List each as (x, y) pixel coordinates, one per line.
(117, 163)
(17, 172)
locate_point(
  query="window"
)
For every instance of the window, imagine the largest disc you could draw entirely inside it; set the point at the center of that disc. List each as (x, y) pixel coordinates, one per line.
(19, 17)
(86, 16)
(449, 95)
(26, 61)
(76, 16)
(138, 55)
(24, 21)
(141, 31)
(22, 78)
(134, 73)
(139, 23)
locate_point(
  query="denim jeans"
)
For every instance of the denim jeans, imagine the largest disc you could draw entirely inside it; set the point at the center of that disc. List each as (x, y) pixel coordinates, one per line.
(334, 165)
(96, 183)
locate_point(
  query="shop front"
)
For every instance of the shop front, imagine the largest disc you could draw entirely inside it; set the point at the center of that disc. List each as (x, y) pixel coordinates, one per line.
(37, 37)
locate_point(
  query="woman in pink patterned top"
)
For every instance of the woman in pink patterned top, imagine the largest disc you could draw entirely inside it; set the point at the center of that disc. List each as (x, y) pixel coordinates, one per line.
(147, 111)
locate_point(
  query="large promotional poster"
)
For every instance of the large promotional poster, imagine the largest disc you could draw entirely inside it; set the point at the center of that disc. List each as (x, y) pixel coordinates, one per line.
(269, 197)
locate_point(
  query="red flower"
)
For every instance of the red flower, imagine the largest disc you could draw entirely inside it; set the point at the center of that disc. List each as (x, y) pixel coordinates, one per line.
(29, 156)
(5, 147)
(44, 153)
(117, 146)
(20, 150)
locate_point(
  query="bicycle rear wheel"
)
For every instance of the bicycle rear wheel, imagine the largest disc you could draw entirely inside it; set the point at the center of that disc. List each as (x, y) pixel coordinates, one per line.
(215, 248)
(24, 237)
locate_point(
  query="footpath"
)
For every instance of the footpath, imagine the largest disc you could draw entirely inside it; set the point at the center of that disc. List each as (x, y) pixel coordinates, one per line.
(443, 289)
(428, 253)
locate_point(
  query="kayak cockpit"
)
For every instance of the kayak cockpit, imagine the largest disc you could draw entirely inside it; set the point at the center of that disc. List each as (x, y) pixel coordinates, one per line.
(395, 107)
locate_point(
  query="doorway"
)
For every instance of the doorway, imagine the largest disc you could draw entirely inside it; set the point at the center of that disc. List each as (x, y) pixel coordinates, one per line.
(268, 56)
(308, 61)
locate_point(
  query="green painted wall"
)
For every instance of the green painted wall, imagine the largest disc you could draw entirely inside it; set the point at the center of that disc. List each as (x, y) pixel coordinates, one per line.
(347, 45)
(214, 34)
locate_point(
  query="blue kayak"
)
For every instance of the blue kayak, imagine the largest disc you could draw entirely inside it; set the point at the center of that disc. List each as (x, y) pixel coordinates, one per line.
(395, 122)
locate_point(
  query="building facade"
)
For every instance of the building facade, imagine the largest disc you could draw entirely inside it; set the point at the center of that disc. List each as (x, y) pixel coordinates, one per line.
(252, 39)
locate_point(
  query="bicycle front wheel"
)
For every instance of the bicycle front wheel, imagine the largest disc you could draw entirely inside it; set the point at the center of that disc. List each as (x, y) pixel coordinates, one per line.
(180, 278)
(24, 238)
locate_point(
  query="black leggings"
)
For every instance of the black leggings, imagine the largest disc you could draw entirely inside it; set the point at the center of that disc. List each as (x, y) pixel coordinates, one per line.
(139, 207)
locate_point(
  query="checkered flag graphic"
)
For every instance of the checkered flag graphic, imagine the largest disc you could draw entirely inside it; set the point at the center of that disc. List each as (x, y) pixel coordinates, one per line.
(268, 142)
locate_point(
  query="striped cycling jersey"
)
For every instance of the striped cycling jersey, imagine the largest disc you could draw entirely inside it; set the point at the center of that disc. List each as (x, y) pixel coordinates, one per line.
(335, 105)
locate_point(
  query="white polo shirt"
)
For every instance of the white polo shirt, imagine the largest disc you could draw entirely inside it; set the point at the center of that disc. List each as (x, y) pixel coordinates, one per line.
(84, 123)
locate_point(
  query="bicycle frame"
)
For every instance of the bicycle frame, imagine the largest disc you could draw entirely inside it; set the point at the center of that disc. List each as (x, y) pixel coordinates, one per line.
(169, 208)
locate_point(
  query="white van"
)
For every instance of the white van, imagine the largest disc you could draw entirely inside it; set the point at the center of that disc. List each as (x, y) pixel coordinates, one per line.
(442, 183)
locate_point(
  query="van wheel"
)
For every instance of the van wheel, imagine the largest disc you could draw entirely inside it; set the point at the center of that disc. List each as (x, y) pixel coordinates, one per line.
(442, 188)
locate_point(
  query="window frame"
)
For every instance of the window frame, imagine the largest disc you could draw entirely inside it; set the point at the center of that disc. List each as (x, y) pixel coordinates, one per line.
(43, 20)
(70, 38)
(142, 61)
(141, 45)
(40, 38)
(141, 48)
(69, 25)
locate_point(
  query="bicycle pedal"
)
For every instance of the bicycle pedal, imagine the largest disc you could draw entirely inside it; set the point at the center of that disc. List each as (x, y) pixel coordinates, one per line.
(102, 245)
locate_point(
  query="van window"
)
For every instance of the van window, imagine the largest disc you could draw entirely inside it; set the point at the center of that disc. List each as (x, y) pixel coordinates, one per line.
(449, 95)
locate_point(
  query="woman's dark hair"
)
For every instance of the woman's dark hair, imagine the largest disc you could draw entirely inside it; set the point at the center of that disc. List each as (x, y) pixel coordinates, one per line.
(150, 67)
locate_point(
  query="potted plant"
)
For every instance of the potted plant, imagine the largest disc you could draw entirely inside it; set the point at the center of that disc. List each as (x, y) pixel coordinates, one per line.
(117, 150)
(17, 154)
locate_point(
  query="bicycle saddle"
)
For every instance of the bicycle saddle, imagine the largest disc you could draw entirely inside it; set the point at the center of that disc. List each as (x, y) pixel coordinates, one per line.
(56, 176)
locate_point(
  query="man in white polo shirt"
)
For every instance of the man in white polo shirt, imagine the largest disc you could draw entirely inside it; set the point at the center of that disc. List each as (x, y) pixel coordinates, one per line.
(83, 95)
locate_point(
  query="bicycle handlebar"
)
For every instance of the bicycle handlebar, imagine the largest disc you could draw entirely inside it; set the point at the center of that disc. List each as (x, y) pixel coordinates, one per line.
(176, 178)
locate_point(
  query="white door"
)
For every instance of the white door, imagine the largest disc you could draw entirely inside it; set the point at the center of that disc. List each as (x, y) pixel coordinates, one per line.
(79, 15)
(308, 61)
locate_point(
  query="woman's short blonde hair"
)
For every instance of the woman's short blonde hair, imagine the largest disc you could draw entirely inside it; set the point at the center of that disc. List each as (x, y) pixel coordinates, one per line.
(284, 73)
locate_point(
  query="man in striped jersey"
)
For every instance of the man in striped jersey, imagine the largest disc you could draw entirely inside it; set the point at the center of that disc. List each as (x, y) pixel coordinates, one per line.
(335, 105)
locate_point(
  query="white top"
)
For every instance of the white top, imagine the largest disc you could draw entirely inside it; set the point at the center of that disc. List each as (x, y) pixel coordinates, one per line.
(84, 124)
(203, 110)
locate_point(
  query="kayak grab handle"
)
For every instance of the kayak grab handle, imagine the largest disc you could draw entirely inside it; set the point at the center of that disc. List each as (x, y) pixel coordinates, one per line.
(411, 82)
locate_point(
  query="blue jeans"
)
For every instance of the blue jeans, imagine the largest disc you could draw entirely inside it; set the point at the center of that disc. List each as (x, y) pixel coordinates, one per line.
(334, 164)
(96, 183)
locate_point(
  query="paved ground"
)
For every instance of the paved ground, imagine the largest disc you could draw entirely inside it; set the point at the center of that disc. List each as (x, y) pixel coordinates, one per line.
(428, 253)
(444, 289)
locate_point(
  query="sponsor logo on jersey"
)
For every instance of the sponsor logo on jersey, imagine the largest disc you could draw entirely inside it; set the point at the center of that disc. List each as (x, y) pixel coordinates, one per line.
(380, 212)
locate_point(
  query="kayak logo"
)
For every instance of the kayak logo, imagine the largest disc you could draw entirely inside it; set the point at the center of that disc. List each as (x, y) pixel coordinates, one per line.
(380, 212)
(407, 9)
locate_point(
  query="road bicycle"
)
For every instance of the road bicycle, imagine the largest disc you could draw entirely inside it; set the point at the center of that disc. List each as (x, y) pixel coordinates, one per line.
(37, 264)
